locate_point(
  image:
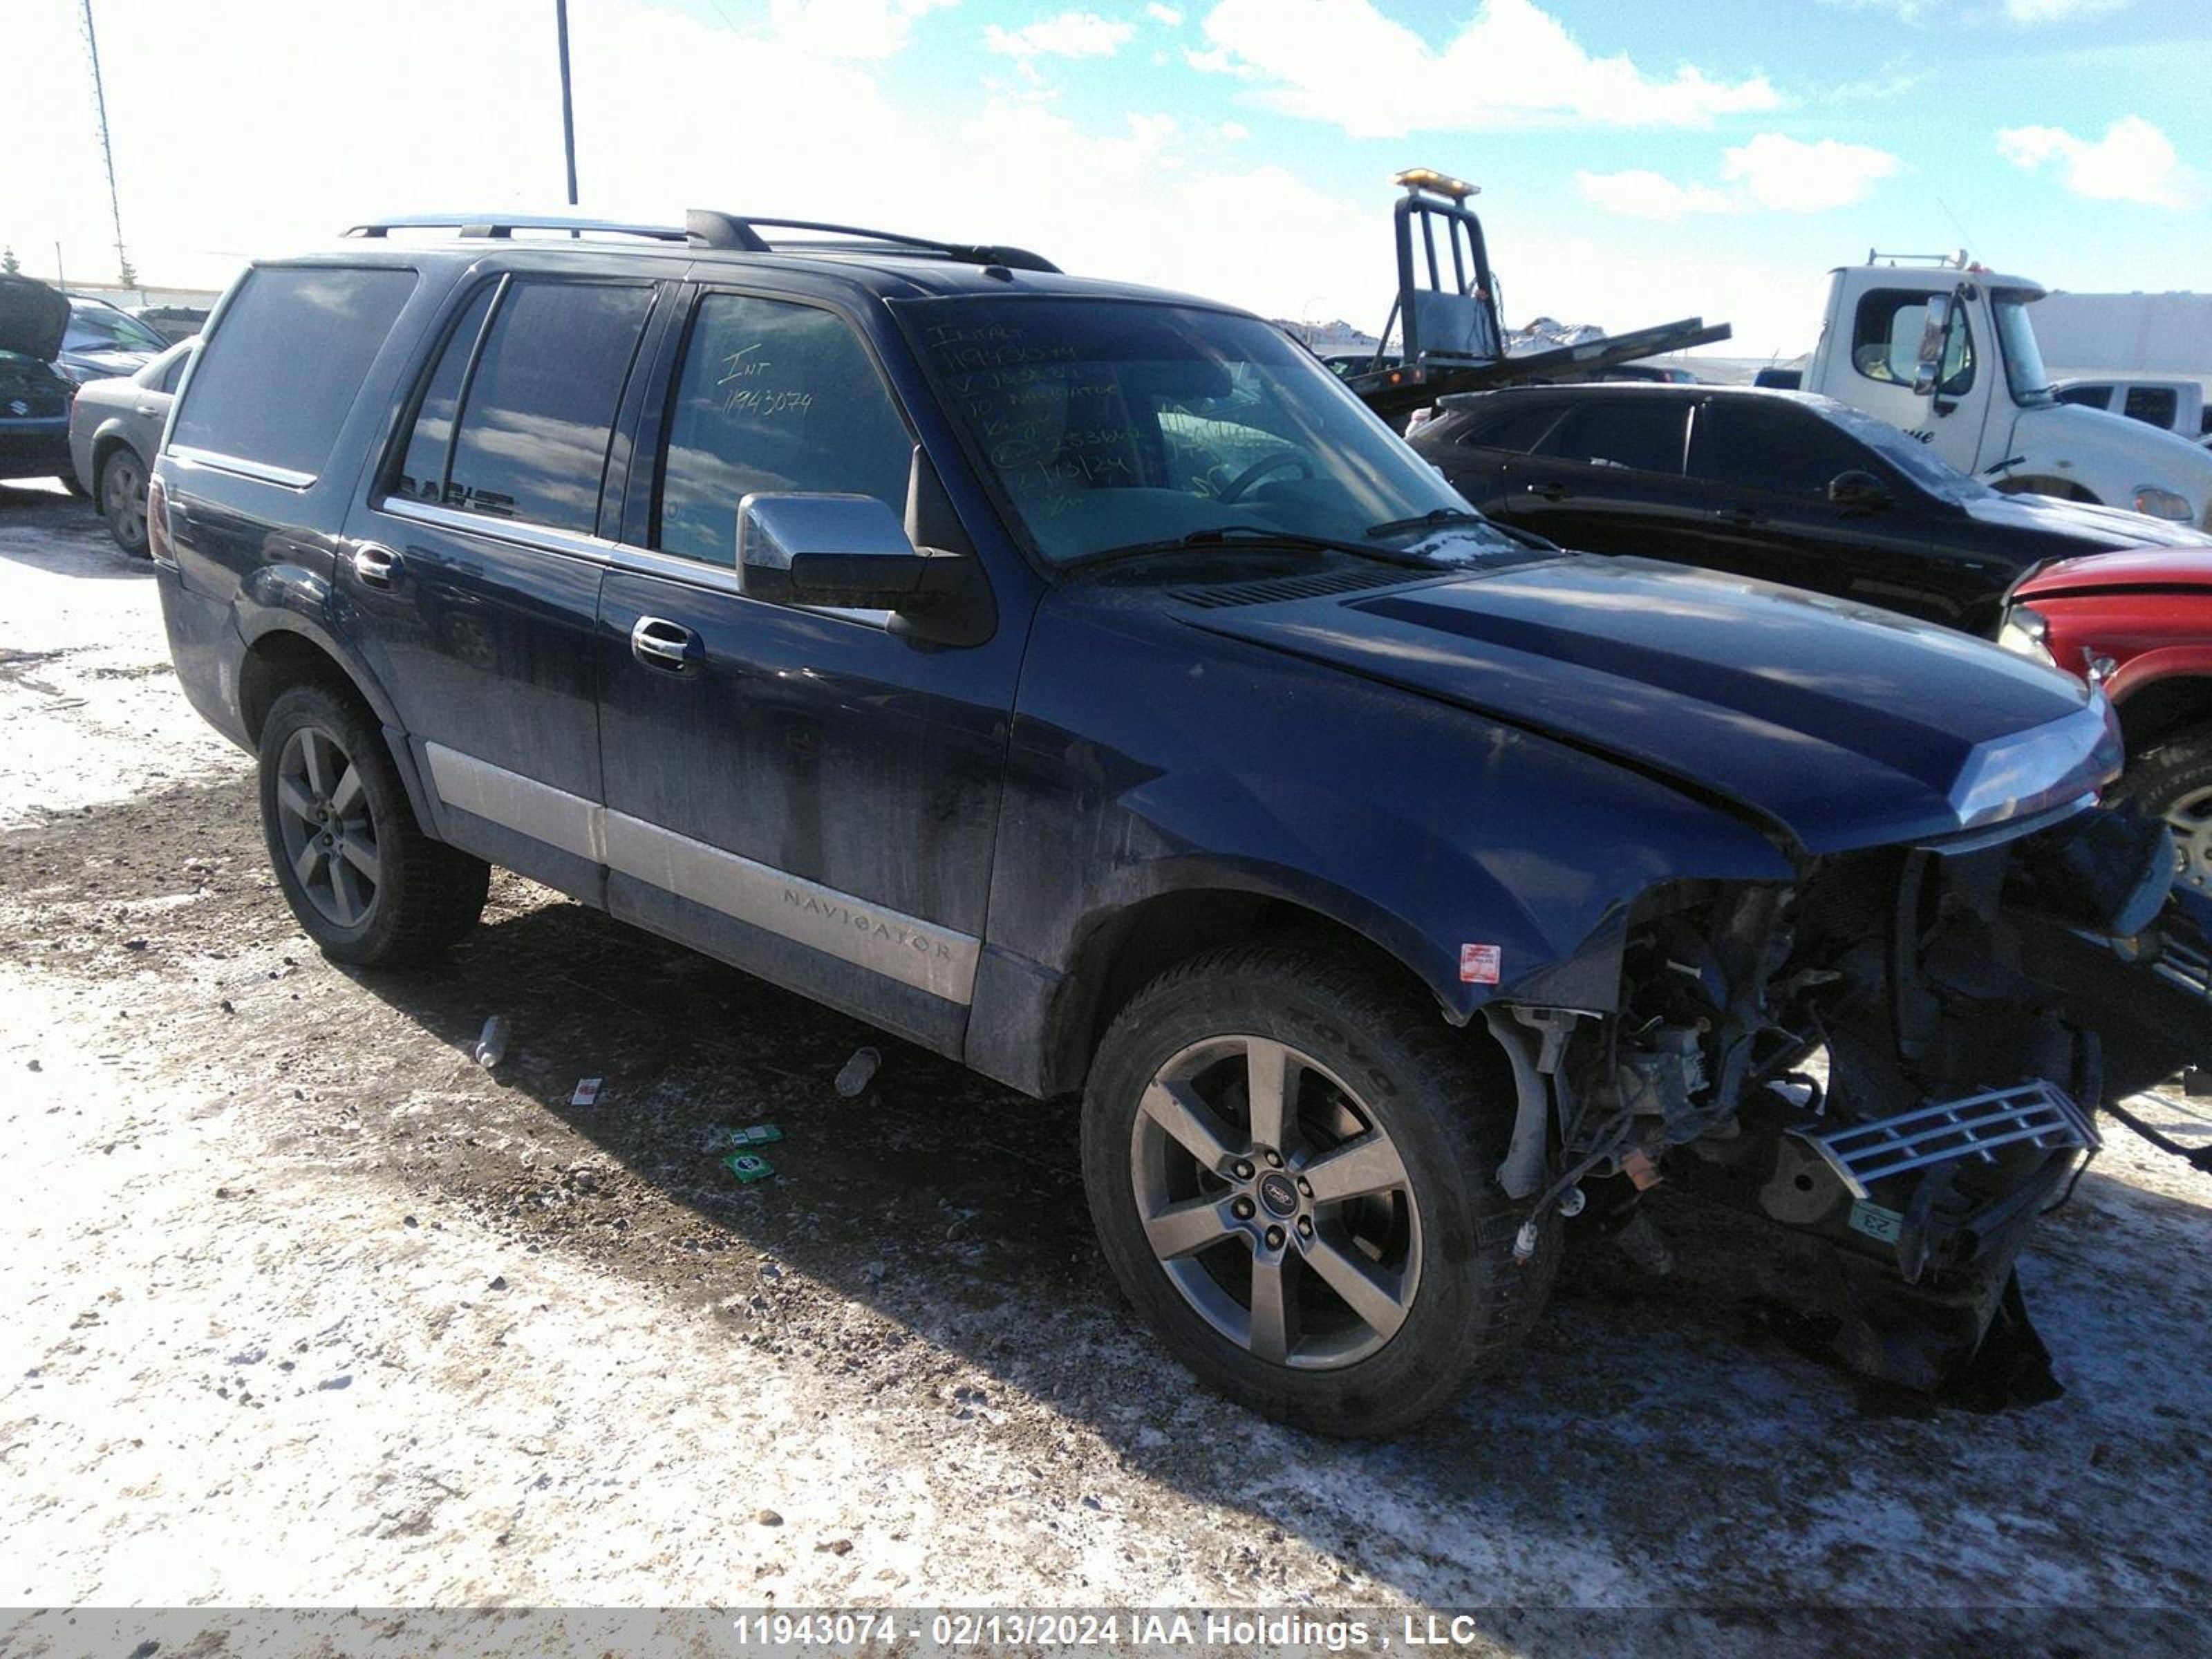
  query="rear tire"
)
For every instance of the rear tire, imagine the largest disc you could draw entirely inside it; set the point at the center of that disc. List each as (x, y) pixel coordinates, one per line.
(123, 501)
(1357, 1285)
(366, 884)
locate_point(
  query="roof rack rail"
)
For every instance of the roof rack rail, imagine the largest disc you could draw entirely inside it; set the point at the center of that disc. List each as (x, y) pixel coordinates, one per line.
(504, 225)
(706, 227)
(709, 228)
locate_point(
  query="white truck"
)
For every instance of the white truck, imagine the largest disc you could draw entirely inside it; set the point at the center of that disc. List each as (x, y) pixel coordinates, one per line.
(1945, 350)
(2169, 406)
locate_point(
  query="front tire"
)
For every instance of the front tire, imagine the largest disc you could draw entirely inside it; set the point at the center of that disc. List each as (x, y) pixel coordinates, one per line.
(2174, 782)
(1291, 1169)
(366, 884)
(123, 501)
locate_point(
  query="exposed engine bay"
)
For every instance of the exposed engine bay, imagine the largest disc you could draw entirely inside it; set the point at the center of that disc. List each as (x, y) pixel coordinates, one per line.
(1900, 1056)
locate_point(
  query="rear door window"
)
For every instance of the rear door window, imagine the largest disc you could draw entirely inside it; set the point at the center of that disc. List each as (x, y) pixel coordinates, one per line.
(1644, 434)
(2158, 404)
(422, 468)
(1518, 430)
(538, 412)
(283, 365)
(773, 396)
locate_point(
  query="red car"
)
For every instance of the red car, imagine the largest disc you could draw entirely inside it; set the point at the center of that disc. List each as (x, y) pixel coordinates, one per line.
(2144, 621)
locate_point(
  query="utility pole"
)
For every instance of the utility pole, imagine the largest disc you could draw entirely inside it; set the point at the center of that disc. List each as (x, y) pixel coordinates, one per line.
(124, 274)
(567, 103)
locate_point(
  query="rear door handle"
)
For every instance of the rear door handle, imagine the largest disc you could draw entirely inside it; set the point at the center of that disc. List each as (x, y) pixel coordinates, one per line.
(1738, 516)
(377, 566)
(669, 646)
(1549, 492)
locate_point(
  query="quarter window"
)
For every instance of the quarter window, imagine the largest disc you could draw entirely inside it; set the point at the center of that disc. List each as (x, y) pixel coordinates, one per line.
(539, 409)
(284, 362)
(772, 396)
(1517, 429)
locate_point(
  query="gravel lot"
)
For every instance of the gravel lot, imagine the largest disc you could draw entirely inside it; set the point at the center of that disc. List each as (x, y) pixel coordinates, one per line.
(301, 1306)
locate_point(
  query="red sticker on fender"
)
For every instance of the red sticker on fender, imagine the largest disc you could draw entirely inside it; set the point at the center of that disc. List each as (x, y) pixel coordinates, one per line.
(1480, 965)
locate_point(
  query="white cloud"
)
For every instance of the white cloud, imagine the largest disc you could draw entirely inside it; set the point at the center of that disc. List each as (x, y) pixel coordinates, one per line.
(2134, 161)
(1168, 16)
(1234, 131)
(1638, 194)
(1071, 34)
(847, 28)
(1780, 173)
(1793, 177)
(1512, 63)
(2057, 11)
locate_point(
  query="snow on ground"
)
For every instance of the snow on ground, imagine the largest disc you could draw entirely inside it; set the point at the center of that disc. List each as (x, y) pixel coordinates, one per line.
(301, 1306)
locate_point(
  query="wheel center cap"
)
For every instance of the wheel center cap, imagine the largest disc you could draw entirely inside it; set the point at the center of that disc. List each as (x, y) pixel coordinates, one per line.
(1278, 1193)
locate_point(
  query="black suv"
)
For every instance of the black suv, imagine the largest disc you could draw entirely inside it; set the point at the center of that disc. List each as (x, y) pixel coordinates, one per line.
(1077, 680)
(1780, 485)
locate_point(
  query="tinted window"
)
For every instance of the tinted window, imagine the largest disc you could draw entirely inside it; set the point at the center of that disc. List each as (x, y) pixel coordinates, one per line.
(1517, 428)
(282, 366)
(540, 409)
(1885, 339)
(772, 397)
(172, 368)
(1781, 451)
(423, 470)
(2094, 397)
(2156, 403)
(1643, 433)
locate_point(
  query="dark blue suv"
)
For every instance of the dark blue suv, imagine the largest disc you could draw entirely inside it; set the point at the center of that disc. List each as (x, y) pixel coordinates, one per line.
(1075, 679)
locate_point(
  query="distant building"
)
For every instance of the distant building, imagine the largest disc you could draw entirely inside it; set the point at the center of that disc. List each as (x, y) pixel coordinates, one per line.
(2094, 335)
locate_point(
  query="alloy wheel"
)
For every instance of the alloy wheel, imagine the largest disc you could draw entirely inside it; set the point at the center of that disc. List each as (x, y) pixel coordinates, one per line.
(328, 831)
(2189, 818)
(123, 488)
(1275, 1202)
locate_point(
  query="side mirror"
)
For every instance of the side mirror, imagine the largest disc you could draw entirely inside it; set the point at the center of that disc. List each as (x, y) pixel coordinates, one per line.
(846, 551)
(1935, 335)
(1858, 492)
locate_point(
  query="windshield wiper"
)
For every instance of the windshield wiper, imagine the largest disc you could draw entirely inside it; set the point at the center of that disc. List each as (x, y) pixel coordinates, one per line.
(1234, 535)
(1448, 518)
(1441, 518)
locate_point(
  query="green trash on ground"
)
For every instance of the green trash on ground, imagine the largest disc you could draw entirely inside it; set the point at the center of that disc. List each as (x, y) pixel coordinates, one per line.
(759, 1134)
(749, 1167)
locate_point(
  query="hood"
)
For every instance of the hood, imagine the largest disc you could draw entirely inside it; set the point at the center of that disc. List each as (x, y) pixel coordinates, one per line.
(2095, 527)
(2178, 571)
(2163, 459)
(32, 318)
(1842, 726)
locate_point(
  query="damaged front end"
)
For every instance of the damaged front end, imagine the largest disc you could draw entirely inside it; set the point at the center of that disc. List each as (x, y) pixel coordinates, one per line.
(1888, 1061)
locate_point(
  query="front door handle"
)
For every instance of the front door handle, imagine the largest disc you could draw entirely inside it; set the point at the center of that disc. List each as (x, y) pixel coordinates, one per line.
(1738, 516)
(657, 643)
(1549, 492)
(377, 566)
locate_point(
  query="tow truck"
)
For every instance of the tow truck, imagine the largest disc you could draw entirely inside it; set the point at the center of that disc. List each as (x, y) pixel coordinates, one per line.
(1446, 316)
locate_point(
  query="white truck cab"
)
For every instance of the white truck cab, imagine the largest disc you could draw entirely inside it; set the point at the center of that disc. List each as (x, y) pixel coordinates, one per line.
(1944, 350)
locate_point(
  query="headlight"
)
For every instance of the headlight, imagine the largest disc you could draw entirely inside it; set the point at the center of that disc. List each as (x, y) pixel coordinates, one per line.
(2026, 632)
(2160, 503)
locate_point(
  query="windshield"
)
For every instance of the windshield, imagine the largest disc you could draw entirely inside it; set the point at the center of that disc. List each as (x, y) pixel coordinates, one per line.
(2030, 382)
(1906, 453)
(103, 328)
(1115, 425)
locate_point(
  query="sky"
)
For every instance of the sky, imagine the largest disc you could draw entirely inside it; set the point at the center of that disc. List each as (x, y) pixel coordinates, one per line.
(1640, 161)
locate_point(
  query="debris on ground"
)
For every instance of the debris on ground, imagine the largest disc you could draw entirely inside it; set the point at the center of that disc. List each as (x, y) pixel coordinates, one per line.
(491, 1045)
(732, 1139)
(588, 1092)
(748, 1167)
(858, 1072)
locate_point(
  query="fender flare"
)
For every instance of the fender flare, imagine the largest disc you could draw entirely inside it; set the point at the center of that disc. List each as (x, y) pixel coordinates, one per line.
(287, 599)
